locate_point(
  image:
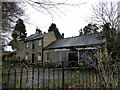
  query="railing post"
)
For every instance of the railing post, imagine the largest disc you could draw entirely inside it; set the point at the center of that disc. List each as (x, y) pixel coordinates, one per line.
(9, 73)
(42, 49)
(63, 82)
(43, 77)
(32, 76)
(118, 77)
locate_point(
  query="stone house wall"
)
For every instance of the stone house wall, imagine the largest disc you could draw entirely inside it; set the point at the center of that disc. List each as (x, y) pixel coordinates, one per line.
(25, 49)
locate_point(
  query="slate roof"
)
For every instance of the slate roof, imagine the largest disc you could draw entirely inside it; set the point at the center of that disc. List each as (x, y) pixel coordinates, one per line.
(84, 40)
(38, 36)
(34, 37)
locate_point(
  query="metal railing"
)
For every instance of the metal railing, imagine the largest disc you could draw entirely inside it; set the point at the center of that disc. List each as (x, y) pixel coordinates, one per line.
(60, 75)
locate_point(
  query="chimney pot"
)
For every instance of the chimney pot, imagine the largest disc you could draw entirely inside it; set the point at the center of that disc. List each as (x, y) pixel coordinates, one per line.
(63, 35)
(38, 31)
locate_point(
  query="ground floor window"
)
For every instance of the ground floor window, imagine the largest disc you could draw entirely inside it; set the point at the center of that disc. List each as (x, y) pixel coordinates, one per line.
(88, 56)
(58, 56)
(62, 56)
(26, 57)
(39, 56)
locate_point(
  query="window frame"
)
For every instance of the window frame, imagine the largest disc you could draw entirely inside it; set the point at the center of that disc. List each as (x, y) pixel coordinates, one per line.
(39, 42)
(33, 45)
(39, 56)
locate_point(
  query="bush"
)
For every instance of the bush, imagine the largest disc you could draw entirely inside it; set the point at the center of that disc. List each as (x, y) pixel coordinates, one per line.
(49, 65)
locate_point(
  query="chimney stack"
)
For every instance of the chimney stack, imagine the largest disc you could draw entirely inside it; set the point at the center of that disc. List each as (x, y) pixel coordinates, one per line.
(38, 31)
(63, 35)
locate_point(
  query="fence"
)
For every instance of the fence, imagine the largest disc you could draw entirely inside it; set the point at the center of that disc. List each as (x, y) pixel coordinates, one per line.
(60, 75)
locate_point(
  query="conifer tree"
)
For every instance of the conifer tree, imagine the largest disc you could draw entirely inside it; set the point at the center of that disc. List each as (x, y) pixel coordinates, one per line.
(19, 30)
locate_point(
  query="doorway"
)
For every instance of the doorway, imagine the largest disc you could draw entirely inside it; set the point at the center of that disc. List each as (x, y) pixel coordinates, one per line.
(33, 57)
(73, 59)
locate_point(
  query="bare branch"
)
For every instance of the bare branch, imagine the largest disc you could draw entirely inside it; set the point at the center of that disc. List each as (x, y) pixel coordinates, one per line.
(105, 12)
(50, 7)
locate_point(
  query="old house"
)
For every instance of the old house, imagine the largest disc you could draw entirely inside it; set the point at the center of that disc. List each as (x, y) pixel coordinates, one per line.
(75, 48)
(31, 49)
(53, 47)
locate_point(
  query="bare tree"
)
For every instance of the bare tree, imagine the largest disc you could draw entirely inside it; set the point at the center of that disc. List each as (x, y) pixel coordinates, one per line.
(108, 69)
(11, 11)
(51, 6)
(106, 15)
(106, 12)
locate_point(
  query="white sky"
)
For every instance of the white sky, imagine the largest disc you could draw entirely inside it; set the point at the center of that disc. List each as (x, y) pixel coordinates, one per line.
(69, 23)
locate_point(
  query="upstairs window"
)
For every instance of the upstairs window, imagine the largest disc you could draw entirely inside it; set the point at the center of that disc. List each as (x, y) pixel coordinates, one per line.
(33, 45)
(39, 42)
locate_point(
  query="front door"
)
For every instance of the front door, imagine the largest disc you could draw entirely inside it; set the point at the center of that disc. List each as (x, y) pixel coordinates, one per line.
(32, 57)
(73, 59)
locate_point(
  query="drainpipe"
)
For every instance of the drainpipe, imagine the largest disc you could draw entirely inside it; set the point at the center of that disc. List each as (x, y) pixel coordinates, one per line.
(78, 57)
(42, 49)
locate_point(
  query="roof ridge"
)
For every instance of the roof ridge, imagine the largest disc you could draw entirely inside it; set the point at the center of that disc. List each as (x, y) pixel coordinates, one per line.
(84, 40)
(80, 36)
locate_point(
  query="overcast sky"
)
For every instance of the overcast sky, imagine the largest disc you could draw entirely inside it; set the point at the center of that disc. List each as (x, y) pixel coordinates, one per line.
(69, 22)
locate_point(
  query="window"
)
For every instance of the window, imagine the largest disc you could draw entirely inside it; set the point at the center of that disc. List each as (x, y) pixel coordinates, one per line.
(47, 56)
(58, 56)
(26, 44)
(33, 57)
(39, 56)
(19, 57)
(33, 45)
(39, 42)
